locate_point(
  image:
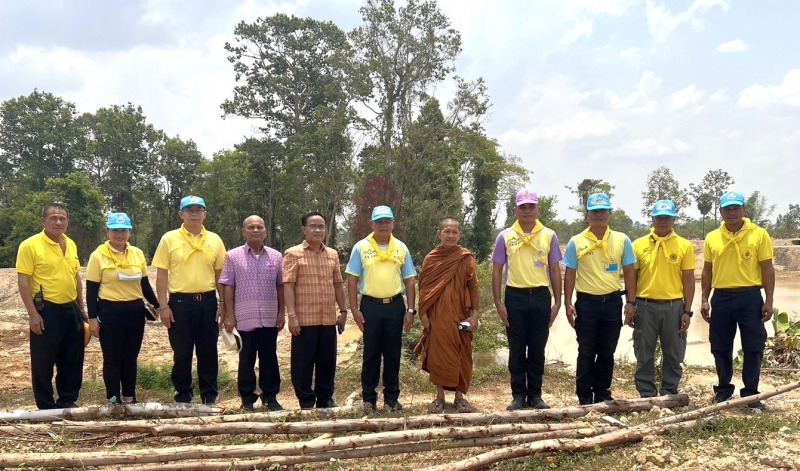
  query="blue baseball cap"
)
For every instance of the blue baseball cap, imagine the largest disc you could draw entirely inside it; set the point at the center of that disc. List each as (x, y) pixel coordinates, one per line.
(118, 221)
(665, 208)
(598, 201)
(731, 198)
(382, 212)
(192, 201)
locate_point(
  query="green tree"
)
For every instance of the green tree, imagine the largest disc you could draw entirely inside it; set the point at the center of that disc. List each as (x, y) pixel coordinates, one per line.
(121, 155)
(588, 187)
(714, 183)
(788, 225)
(660, 185)
(758, 209)
(39, 139)
(401, 52)
(705, 202)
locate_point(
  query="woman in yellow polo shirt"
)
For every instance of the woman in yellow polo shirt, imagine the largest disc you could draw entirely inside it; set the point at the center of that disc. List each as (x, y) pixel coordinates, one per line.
(116, 284)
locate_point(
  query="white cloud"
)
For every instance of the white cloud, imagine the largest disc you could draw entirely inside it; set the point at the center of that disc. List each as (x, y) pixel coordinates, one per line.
(686, 98)
(629, 53)
(650, 147)
(582, 29)
(720, 96)
(661, 23)
(643, 98)
(737, 45)
(760, 96)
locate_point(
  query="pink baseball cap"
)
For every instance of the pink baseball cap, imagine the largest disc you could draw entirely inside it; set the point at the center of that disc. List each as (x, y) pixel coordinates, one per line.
(526, 196)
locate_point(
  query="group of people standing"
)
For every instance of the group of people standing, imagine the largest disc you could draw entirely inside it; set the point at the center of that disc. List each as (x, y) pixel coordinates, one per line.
(253, 292)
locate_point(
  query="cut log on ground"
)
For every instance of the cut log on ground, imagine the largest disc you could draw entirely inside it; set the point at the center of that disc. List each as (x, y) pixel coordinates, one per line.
(203, 425)
(628, 435)
(149, 409)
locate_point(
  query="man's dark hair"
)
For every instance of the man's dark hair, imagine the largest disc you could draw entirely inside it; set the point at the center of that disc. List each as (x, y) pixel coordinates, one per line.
(445, 220)
(309, 214)
(49, 206)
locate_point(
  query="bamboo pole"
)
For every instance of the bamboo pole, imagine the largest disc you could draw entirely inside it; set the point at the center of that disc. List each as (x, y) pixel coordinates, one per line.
(149, 409)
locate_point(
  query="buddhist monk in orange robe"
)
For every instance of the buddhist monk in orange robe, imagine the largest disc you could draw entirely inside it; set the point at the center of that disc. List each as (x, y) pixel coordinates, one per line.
(448, 295)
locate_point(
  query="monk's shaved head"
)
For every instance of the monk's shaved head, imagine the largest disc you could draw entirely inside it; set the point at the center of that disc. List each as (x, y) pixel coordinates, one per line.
(449, 220)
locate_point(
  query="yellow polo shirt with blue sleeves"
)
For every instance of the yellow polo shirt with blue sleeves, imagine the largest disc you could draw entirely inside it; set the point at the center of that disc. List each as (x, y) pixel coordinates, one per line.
(120, 276)
(380, 279)
(598, 273)
(190, 271)
(661, 270)
(41, 258)
(737, 267)
(527, 266)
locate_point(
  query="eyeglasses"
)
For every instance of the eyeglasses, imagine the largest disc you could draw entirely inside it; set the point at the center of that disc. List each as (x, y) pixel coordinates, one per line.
(316, 227)
(194, 210)
(383, 222)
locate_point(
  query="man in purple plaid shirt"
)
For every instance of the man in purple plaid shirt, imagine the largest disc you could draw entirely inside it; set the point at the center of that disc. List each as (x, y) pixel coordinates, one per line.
(254, 305)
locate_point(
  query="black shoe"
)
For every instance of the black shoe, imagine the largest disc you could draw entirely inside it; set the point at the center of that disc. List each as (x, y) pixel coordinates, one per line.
(248, 407)
(758, 405)
(210, 402)
(537, 403)
(393, 406)
(602, 398)
(68, 405)
(273, 405)
(517, 404)
(328, 405)
(722, 397)
(369, 407)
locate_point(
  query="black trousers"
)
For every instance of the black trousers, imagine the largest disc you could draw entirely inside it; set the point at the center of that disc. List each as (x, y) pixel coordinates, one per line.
(195, 328)
(729, 310)
(314, 354)
(121, 334)
(60, 345)
(597, 327)
(261, 343)
(529, 318)
(383, 338)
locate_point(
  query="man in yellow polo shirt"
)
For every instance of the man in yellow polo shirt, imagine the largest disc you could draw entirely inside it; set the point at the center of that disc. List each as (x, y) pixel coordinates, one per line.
(738, 264)
(665, 289)
(189, 261)
(380, 267)
(50, 287)
(529, 254)
(593, 260)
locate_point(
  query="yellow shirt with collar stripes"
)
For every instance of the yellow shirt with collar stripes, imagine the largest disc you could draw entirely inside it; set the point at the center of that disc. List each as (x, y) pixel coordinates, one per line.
(55, 271)
(196, 275)
(662, 278)
(727, 271)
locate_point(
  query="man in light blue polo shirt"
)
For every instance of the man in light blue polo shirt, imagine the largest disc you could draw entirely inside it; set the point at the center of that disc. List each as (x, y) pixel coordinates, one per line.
(380, 267)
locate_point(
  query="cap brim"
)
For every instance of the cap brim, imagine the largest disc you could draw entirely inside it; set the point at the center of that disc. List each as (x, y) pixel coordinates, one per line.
(520, 203)
(599, 206)
(383, 217)
(119, 226)
(664, 213)
(731, 203)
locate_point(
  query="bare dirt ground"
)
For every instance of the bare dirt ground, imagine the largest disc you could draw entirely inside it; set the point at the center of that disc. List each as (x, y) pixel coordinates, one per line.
(767, 447)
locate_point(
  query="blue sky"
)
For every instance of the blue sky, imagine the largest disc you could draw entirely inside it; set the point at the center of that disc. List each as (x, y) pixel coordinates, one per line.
(607, 89)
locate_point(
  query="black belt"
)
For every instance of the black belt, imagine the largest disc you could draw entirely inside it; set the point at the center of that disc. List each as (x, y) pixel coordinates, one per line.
(601, 298)
(743, 289)
(366, 297)
(534, 290)
(70, 305)
(192, 297)
(659, 301)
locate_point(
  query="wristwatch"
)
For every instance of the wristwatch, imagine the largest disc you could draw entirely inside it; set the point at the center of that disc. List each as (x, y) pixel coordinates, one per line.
(413, 312)
(689, 313)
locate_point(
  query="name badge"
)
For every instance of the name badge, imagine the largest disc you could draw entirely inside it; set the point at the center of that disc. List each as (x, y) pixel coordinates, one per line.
(129, 277)
(612, 267)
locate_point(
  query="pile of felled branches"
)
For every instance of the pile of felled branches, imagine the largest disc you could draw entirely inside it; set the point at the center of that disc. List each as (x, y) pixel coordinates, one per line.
(491, 437)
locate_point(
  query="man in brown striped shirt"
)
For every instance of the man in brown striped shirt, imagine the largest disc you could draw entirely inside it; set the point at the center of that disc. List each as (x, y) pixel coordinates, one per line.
(312, 284)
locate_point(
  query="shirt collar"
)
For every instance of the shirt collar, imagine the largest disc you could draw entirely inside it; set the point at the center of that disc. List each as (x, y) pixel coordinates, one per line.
(307, 246)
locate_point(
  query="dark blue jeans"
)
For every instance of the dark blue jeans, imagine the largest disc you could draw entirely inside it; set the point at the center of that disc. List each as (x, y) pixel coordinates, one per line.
(729, 309)
(529, 318)
(383, 338)
(195, 328)
(597, 326)
(261, 343)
